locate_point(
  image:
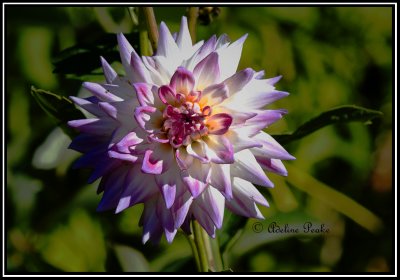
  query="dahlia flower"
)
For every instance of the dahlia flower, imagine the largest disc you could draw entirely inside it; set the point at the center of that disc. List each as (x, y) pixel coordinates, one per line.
(181, 133)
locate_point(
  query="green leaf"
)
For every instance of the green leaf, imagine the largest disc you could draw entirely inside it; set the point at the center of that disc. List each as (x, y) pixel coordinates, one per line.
(84, 58)
(131, 260)
(173, 256)
(337, 200)
(233, 225)
(76, 246)
(60, 108)
(342, 114)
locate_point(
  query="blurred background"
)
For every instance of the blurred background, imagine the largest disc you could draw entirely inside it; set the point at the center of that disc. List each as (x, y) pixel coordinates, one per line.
(342, 178)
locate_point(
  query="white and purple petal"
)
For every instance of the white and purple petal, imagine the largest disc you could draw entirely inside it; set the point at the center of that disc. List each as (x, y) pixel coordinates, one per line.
(247, 168)
(229, 57)
(219, 124)
(270, 147)
(207, 71)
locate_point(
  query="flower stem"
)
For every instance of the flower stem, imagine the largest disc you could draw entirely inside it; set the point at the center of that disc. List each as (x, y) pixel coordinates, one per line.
(193, 246)
(209, 257)
(145, 48)
(201, 249)
(193, 13)
(151, 24)
(218, 265)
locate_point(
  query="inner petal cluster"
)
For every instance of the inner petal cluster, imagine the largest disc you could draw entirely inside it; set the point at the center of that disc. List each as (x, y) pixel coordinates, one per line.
(185, 117)
(184, 122)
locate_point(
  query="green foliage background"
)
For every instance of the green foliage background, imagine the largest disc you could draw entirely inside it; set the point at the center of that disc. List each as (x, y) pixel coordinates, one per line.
(328, 56)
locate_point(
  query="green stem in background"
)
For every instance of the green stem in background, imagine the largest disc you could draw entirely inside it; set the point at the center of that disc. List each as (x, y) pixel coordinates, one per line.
(209, 257)
(145, 48)
(192, 14)
(134, 17)
(218, 265)
(201, 249)
(195, 252)
(151, 24)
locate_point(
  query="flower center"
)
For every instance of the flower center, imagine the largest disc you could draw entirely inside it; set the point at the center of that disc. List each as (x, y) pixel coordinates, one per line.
(184, 119)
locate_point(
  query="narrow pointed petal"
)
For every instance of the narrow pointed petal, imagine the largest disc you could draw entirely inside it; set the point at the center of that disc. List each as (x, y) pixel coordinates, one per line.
(124, 157)
(123, 90)
(114, 186)
(183, 39)
(102, 168)
(256, 95)
(157, 74)
(229, 57)
(125, 49)
(125, 117)
(167, 46)
(214, 205)
(167, 220)
(196, 177)
(182, 81)
(92, 157)
(140, 74)
(165, 153)
(133, 65)
(84, 143)
(240, 141)
(271, 165)
(109, 109)
(221, 179)
(264, 119)
(138, 189)
(214, 94)
(170, 235)
(196, 187)
(168, 193)
(247, 189)
(183, 159)
(259, 75)
(273, 81)
(271, 148)
(144, 94)
(223, 40)
(207, 71)
(245, 195)
(247, 168)
(219, 149)
(239, 80)
(100, 92)
(203, 219)
(109, 73)
(167, 183)
(244, 207)
(239, 117)
(204, 50)
(88, 106)
(181, 208)
(152, 228)
(94, 126)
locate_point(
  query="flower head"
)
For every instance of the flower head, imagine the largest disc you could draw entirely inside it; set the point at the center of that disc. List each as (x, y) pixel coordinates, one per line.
(181, 133)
